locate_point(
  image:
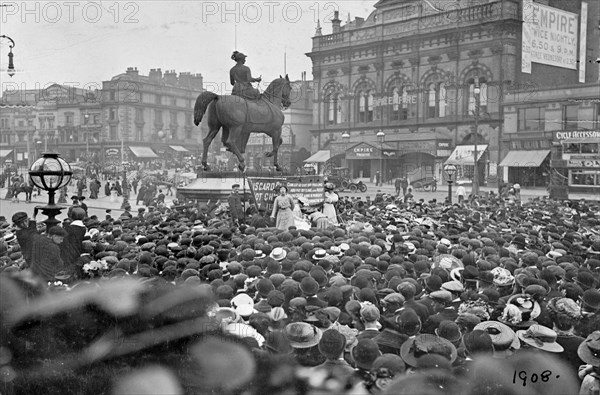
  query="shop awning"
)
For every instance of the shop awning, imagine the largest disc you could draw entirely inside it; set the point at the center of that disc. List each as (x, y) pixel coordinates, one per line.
(319, 157)
(464, 155)
(143, 152)
(178, 148)
(5, 152)
(524, 158)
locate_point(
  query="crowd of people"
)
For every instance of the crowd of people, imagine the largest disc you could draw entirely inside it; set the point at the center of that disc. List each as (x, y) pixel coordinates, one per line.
(390, 295)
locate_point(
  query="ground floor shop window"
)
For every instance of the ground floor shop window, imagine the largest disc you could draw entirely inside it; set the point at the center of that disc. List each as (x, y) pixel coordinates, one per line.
(584, 178)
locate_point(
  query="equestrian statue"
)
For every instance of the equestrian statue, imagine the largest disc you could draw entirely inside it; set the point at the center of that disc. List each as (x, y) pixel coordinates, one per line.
(243, 112)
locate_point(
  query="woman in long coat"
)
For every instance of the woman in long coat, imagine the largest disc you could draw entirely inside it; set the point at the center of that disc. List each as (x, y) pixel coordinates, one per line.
(283, 209)
(330, 198)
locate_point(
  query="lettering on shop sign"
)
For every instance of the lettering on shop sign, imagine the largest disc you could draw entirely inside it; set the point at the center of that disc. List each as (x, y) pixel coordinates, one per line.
(384, 101)
(363, 150)
(578, 134)
(589, 163)
(112, 152)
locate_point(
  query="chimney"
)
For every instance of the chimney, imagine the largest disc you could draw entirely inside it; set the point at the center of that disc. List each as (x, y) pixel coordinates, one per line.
(132, 71)
(170, 77)
(155, 75)
(196, 82)
(185, 80)
(336, 22)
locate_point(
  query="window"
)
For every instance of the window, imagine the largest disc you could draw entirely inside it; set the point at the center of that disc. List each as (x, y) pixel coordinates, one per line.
(332, 109)
(96, 119)
(4, 123)
(173, 101)
(86, 119)
(365, 106)
(21, 123)
(157, 99)
(436, 100)
(112, 132)
(399, 106)
(139, 134)
(585, 178)
(113, 96)
(570, 116)
(158, 116)
(188, 133)
(531, 118)
(581, 148)
(472, 97)
(113, 114)
(173, 117)
(139, 114)
(68, 119)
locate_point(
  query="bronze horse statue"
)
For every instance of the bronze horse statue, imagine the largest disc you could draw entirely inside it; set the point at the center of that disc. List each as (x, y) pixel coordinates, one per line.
(239, 117)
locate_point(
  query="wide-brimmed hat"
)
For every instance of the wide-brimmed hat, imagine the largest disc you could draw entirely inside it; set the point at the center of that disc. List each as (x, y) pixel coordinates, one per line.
(319, 254)
(244, 330)
(541, 337)
(425, 344)
(302, 334)
(278, 254)
(258, 254)
(504, 339)
(503, 277)
(589, 349)
(520, 311)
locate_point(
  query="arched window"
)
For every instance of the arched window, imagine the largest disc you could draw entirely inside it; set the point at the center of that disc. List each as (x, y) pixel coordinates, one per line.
(331, 108)
(399, 107)
(437, 100)
(364, 108)
(472, 98)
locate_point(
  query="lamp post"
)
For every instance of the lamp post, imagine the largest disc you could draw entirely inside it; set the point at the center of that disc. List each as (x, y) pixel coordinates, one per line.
(50, 173)
(476, 93)
(345, 138)
(381, 138)
(11, 66)
(450, 170)
(86, 118)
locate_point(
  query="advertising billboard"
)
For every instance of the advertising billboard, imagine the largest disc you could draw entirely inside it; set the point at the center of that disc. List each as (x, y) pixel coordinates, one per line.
(550, 36)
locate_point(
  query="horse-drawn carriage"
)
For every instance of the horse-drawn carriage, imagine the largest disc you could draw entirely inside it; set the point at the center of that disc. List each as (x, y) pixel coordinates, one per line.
(427, 184)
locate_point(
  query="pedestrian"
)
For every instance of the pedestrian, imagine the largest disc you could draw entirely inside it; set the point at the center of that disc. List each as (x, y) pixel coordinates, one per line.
(134, 184)
(283, 209)
(404, 186)
(398, 186)
(236, 211)
(461, 192)
(46, 260)
(330, 198)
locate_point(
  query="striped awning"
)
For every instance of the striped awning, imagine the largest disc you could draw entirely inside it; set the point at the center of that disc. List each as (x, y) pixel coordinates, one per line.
(178, 148)
(5, 152)
(144, 152)
(319, 157)
(524, 158)
(465, 155)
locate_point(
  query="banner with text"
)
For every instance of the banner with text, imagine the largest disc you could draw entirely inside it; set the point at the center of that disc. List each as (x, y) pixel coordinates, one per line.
(263, 189)
(549, 36)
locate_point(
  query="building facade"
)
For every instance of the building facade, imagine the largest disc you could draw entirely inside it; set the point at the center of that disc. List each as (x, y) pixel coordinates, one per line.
(553, 139)
(418, 83)
(132, 118)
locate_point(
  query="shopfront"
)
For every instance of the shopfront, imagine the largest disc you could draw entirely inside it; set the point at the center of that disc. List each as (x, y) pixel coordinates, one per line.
(365, 160)
(527, 168)
(463, 157)
(581, 155)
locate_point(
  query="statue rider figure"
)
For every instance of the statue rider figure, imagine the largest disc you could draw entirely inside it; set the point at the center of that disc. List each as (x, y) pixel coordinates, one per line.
(241, 78)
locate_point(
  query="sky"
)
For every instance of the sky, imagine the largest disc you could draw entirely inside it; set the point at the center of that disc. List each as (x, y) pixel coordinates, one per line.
(82, 43)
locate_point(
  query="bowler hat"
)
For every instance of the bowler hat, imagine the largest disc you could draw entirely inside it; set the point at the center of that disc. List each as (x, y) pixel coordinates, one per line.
(332, 344)
(589, 349)
(365, 353)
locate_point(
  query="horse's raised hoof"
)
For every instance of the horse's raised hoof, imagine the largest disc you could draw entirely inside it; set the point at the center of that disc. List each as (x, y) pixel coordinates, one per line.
(278, 168)
(242, 167)
(205, 166)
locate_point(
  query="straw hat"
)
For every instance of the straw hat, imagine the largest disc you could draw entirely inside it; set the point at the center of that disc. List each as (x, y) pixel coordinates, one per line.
(541, 337)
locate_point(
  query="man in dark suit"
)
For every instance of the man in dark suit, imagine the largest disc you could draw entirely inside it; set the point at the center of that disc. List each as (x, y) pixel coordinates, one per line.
(442, 306)
(71, 247)
(235, 205)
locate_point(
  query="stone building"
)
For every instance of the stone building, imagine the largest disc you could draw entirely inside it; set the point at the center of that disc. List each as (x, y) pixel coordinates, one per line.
(421, 83)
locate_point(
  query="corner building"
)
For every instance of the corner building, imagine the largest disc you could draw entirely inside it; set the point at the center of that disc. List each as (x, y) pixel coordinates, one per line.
(402, 84)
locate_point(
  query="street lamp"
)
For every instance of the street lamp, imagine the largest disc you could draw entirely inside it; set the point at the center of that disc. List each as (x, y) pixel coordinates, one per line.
(450, 170)
(381, 138)
(345, 138)
(86, 118)
(476, 93)
(11, 66)
(50, 173)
